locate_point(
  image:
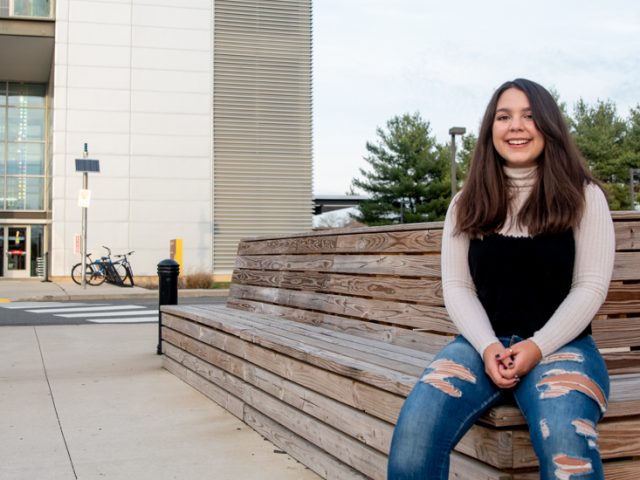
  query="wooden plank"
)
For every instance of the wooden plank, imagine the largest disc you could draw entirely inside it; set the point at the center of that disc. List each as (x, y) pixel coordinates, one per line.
(624, 362)
(622, 299)
(370, 241)
(418, 290)
(625, 215)
(416, 340)
(312, 244)
(359, 395)
(421, 241)
(616, 332)
(627, 235)
(374, 264)
(416, 316)
(626, 266)
(405, 227)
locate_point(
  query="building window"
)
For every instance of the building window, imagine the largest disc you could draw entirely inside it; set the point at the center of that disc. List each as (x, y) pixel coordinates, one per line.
(23, 135)
(26, 8)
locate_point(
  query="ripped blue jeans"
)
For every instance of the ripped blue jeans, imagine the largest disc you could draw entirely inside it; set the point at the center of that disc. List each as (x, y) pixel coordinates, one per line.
(562, 398)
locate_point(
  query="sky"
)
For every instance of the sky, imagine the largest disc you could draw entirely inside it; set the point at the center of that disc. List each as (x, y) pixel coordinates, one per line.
(374, 59)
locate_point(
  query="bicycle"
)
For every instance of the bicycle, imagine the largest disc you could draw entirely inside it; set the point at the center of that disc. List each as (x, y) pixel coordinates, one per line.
(123, 268)
(106, 269)
(94, 273)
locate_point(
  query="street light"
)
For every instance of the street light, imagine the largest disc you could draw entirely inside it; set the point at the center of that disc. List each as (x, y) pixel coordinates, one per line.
(453, 131)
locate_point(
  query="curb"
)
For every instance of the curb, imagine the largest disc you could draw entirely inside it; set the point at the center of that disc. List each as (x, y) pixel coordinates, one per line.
(121, 296)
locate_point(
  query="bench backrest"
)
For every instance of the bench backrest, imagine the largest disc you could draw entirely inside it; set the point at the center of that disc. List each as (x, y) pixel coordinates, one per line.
(384, 283)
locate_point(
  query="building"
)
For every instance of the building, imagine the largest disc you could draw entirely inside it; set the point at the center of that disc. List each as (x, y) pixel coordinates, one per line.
(199, 112)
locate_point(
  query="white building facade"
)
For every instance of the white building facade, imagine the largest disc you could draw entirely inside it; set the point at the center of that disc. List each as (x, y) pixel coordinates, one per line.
(200, 115)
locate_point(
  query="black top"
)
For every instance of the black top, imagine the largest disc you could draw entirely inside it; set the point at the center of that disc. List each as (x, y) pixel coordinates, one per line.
(521, 281)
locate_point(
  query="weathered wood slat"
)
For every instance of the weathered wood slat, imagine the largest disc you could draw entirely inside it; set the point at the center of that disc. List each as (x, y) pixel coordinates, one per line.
(617, 332)
(627, 235)
(372, 264)
(621, 299)
(396, 241)
(416, 340)
(398, 313)
(626, 265)
(425, 291)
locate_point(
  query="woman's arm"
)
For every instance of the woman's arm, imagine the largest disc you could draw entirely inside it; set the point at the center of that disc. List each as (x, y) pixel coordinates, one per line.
(460, 298)
(595, 251)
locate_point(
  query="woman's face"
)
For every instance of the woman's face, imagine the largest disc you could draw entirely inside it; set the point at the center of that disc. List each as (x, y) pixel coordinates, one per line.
(514, 132)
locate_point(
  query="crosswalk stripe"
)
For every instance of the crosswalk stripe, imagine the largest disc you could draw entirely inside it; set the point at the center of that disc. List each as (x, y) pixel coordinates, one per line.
(106, 314)
(86, 309)
(17, 305)
(123, 320)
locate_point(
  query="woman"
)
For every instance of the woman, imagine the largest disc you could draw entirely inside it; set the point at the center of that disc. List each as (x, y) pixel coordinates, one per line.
(527, 256)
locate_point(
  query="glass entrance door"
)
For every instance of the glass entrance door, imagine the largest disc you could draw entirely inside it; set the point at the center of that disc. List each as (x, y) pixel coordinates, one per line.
(16, 251)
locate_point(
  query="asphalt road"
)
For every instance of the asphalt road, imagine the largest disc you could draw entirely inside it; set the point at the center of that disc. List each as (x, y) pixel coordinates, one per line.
(143, 310)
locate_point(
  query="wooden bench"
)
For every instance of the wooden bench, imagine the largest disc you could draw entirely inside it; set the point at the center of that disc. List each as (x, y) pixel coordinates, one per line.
(325, 333)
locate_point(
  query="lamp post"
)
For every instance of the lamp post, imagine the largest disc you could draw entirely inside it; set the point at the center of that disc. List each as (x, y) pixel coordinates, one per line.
(453, 131)
(85, 165)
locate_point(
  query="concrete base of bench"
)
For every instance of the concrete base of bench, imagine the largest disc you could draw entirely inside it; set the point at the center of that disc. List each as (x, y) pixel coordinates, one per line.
(330, 399)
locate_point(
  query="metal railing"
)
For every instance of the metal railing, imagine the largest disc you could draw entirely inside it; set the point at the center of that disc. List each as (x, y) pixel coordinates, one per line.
(32, 9)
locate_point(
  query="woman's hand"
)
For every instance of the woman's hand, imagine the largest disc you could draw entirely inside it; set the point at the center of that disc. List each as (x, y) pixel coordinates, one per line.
(521, 357)
(497, 364)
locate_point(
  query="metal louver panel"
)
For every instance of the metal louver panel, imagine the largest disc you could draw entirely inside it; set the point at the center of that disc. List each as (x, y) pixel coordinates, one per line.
(262, 130)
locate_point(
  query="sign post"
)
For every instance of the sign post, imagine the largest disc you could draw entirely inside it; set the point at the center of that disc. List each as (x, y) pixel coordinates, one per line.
(85, 165)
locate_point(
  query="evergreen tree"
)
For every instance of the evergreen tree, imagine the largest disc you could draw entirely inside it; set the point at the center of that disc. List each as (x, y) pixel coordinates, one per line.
(408, 180)
(600, 135)
(632, 148)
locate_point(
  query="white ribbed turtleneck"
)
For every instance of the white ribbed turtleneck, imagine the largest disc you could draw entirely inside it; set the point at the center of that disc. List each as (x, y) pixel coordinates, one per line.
(595, 250)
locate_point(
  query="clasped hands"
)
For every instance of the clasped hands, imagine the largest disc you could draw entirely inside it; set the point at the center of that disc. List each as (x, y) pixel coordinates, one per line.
(507, 365)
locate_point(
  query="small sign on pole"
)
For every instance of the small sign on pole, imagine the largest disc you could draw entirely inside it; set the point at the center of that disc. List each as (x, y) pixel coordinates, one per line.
(77, 244)
(84, 198)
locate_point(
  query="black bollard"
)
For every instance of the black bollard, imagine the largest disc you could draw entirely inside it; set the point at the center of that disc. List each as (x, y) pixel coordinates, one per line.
(168, 271)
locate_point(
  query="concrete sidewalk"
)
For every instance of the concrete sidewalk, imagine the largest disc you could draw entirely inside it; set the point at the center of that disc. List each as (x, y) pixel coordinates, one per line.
(92, 401)
(34, 290)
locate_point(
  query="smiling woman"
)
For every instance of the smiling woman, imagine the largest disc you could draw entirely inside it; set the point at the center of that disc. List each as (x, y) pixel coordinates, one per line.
(527, 256)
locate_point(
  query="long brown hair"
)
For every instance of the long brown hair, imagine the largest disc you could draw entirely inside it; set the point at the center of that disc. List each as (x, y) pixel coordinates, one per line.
(556, 202)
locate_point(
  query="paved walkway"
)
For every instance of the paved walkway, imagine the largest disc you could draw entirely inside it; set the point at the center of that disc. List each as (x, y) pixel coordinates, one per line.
(34, 290)
(92, 402)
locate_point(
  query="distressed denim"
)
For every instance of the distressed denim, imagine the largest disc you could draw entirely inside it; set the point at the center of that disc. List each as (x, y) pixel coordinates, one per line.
(562, 398)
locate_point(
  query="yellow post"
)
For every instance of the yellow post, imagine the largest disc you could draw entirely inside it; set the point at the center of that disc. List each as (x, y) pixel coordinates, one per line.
(175, 252)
